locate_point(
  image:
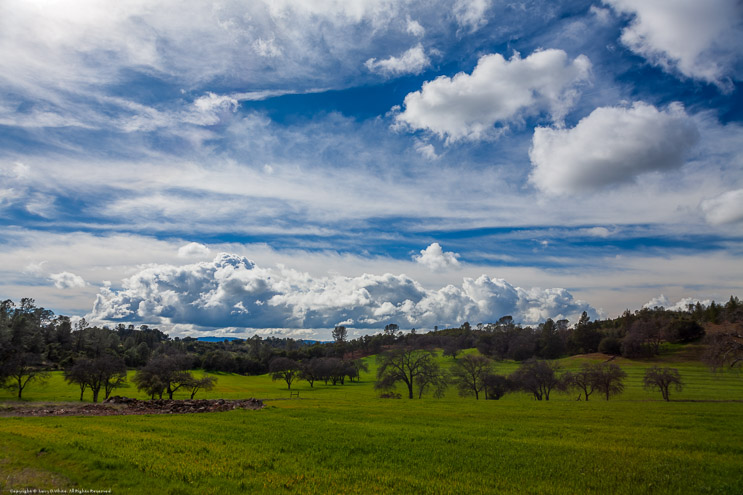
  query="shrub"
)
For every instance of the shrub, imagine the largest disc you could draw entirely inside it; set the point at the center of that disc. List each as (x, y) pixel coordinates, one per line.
(610, 346)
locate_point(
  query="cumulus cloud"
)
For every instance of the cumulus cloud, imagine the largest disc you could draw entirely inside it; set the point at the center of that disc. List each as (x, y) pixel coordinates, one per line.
(435, 258)
(413, 61)
(192, 249)
(498, 91)
(67, 280)
(612, 145)
(681, 305)
(725, 208)
(701, 40)
(232, 291)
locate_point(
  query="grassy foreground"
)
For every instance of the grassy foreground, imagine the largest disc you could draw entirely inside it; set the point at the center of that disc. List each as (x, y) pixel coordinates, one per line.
(346, 440)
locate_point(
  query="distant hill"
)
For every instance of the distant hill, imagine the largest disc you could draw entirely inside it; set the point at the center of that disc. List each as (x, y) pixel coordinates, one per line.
(222, 339)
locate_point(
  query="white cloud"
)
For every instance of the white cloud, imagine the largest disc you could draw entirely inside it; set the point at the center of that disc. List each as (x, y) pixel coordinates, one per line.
(612, 283)
(192, 249)
(700, 39)
(35, 269)
(211, 102)
(427, 150)
(267, 48)
(725, 208)
(681, 305)
(470, 14)
(232, 291)
(435, 258)
(610, 146)
(602, 15)
(413, 61)
(67, 280)
(498, 91)
(597, 232)
(414, 27)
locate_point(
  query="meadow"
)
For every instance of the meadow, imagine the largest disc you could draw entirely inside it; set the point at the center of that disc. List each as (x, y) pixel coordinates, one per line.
(345, 439)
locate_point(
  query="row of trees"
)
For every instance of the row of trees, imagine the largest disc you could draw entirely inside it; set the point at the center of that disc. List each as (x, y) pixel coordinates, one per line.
(418, 371)
(162, 374)
(34, 341)
(333, 370)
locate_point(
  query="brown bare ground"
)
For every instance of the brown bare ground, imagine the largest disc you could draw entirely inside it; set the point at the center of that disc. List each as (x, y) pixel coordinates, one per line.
(123, 405)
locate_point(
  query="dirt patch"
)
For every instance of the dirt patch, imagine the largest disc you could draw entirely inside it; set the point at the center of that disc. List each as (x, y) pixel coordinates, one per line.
(27, 477)
(123, 405)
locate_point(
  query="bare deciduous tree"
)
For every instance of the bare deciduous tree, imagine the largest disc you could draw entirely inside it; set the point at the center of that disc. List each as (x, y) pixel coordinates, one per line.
(403, 364)
(608, 379)
(163, 374)
(662, 379)
(434, 378)
(22, 368)
(286, 369)
(725, 349)
(538, 378)
(469, 373)
(206, 383)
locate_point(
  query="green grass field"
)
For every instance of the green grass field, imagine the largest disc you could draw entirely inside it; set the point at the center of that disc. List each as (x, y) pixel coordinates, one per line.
(344, 439)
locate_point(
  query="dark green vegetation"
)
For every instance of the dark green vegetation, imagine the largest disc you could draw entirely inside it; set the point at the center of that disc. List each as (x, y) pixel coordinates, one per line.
(344, 438)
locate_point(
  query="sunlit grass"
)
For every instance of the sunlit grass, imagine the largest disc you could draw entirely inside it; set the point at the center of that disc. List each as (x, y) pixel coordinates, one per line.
(345, 439)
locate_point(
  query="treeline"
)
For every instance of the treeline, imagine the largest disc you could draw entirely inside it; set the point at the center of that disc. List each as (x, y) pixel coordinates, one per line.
(34, 340)
(632, 335)
(419, 372)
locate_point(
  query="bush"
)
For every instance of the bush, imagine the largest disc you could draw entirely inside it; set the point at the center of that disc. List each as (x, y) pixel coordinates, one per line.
(611, 346)
(634, 346)
(681, 331)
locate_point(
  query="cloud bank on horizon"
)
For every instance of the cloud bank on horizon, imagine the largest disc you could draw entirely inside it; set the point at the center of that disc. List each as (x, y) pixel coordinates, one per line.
(483, 148)
(231, 291)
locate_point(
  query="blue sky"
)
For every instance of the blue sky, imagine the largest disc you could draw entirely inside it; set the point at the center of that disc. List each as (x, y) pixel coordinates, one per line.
(279, 167)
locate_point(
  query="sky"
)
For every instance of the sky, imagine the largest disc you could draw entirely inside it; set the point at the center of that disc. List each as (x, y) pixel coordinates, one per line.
(279, 168)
